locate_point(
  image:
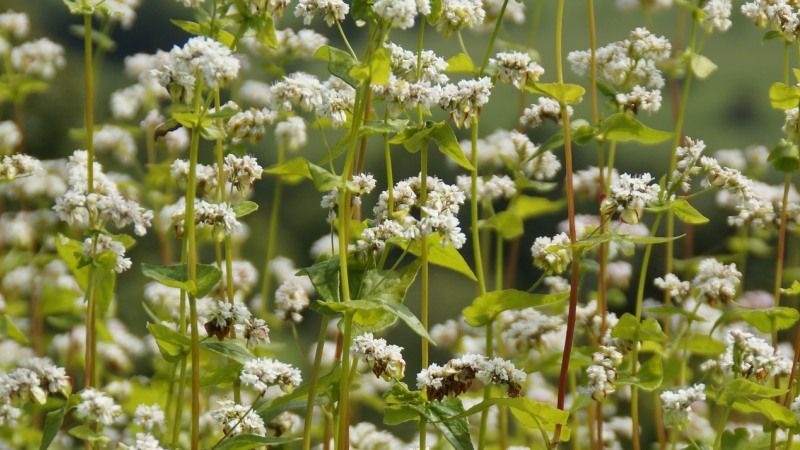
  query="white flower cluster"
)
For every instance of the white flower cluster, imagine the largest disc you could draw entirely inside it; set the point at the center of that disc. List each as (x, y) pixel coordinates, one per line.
(254, 330)
(332, 99)
(779, 15)
(97, 407)
(457, 376)
(239, 172)
(400, 94)
(525, 329)
(631, 67)
(40, 58)
(33, 380)
(677, 404)
(670, 283)
(687, 156)
(590, 317)
(200, 56)
(649, 5)
(716, 281)
(264, 373)
(544, 109)
(459, 14)
(552, 254)
(223, 316)
(333, 11)
(515, 68)
(587, 182)
(385, 360)
(489, 190)
(105, 203)
(360, 184)
(249, 125)
(293, 294)
(465, 99)
(145, 441)
(516, 152)
(19, 165)
(718, 14)
(103, 243)
(366, 436)
(401, 13)
(238, 419)
(291, 133)
(115, 141)
(515, 11)
(603, 372)
(748, 356)
(14, 24)
(10, 136)
(411, 220)
(218, 216)
(404, 64)
(149, 417)
(630, 195)
(752, 208)
(300, 44)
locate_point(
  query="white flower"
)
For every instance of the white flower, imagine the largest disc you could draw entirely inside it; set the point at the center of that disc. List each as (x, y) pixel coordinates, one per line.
(673, 286)
(291, 133)
(292, 298)
(120, 11)
(40, 58)
(255, 331)
(219, 216)
(149, 417)
(603, 372)
(263, 373)
(459, 14)
(336, 101)
(116, 141)
(556, 284)
(465, 99)
(780, 15)
(385, 360)
(105, 203)
(367, 436)
(102, 243)
(456, 377)
(286, 423)
(200, 56)
(10, 136)
(249, 125)
(552, 254)
(630, 195)
(19, 165)
(515, 68)
(718, 14)
(749, 356)
(545, 108)
(332, 10)
(401, 13)
(297, 88)
(145, 441)
(326, 245)
(238, 419)
(256, 93)
(222, 316)
(489, 190)
(97, 407)
(640, 99)
(677, 404)
(14, 24)
(404, 64)
(619, 274)
(716, 281)
(525, 328)
(795, 406)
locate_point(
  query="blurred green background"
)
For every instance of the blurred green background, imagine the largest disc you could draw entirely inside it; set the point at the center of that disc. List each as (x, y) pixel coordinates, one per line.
(730, 109)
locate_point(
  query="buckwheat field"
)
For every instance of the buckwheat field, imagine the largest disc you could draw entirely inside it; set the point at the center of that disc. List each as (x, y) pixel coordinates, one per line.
(399, 224)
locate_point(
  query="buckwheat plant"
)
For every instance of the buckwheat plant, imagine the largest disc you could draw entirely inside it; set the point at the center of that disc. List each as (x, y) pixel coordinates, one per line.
(159, 288)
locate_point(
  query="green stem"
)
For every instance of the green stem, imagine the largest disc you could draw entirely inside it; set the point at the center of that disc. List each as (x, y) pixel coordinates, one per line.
(474, 215)
(721, 429)
(343, 443)
(312, 383)
(487, 390)
(425, 278)
(272, 235)
(635, 352)
(496, 30)
(191, 260)
(575, 269)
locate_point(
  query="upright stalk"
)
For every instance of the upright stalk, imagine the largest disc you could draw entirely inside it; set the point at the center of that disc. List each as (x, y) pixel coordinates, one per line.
(312, 386)
(575, 269)
(91, 314)
(272, 234)
(191, 261)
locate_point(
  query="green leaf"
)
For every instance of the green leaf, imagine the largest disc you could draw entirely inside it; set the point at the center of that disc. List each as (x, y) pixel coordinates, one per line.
(794, 289)
(487, 307)
(265, 32)
(173, 345)
(378, 70)
(783, 96)
(460, 63)
(292, 171)
(781, 317)
(527, 207)
(529, 413)
(84, 433)
(244, 208)
(649, 376)
(443, 256)
(622, 127)
(176, 276)
(742, 389)
(365, 306)
(456, 431)
(768, 408)
(387, 286)
(701, 344)
(413, 138)
(324, 275)
(250, 441)
(785, 157)
(565, 93)
(217, 375)
(687, 213)
(229, 349)
(447, 143)
(629, 329)
(507, 224)
(339, 62)
(10, 330)
(701, 66)
(53, 421)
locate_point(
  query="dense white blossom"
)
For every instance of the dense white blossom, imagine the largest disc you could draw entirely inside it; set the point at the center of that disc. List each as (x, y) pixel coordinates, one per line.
(385, 360)
(264, 373)
(238, 419)
(149, 417)
(544, 109)
(630, 195)
(97, 407)
(749, 356)
(459, 14)
(465, 99)
(552, 254)
(40, 58)
(202, 56)
(677, 404)
(716, 281)
(515, 68)
(457, 376)
(602, 373)
(332, 10)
